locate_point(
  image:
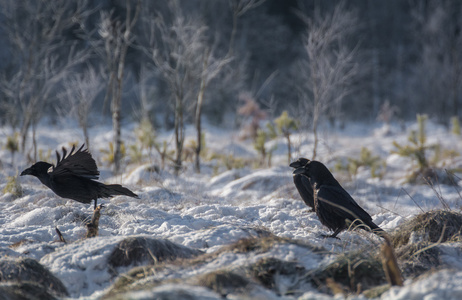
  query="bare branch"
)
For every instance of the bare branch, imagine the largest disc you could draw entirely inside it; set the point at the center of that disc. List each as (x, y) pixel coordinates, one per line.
(331, 67)
(41, 58)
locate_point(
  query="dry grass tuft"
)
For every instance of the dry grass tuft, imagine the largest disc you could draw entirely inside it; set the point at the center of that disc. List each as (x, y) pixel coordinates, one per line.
(433, 226)
(223, 282)
(418, 258)
(265, 243)
(269, 270)
(236, 281)
(353, 271)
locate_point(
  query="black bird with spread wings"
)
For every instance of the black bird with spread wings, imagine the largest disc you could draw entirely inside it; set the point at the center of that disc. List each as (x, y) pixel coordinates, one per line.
(335, 208)
(74, 177)
(302, 182)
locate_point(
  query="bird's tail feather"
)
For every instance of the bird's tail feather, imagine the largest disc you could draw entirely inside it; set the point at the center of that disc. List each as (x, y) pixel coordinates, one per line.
(117, 189)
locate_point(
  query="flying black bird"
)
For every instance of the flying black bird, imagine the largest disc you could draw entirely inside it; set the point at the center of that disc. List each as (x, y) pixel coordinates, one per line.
(74, 177)
(302, 182)
(335, 208)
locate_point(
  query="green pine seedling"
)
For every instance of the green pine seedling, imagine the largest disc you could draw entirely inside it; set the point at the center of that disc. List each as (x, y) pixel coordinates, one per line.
(13, 187)
(285, 126)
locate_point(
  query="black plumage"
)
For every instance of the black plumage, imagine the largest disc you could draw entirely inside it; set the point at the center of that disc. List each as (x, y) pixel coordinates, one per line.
(302, 182)
(335, 208)
(74, 177)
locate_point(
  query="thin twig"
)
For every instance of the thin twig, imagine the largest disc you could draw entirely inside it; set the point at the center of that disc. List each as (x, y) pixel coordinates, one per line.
(397, 197)
(438, 193)
(389, 210)
(61, 237)
(413, 200)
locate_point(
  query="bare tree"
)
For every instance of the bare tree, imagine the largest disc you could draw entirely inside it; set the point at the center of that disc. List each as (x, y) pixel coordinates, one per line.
(80, 91)
(211, 67)
(41, 57)
(117, 36)
(177, 50)
(331, 66)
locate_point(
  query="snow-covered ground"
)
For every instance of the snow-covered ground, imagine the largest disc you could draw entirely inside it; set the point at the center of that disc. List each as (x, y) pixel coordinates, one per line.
(216, 208)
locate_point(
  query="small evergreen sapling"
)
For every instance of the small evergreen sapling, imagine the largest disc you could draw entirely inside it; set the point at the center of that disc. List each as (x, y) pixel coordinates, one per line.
(135, 153)
(367, 159)
(12, 145)
(146, 135)
(285, 125)
(13, 187)
(418, 149)
(229, 161)
(109, 153)
(146, 139)
(262, 137)
(191, 146)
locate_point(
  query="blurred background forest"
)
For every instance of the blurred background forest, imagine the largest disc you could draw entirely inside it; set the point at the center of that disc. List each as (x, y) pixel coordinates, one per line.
(171, 62)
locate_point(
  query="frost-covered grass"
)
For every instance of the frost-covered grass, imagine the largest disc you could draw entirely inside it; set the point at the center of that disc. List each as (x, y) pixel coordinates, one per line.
(218, 208)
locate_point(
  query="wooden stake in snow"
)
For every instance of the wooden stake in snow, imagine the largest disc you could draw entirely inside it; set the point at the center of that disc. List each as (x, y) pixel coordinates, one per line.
(92, 227)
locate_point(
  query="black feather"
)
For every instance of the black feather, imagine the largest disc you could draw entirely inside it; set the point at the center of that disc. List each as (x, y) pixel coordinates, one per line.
(73, 177)
(335, 208)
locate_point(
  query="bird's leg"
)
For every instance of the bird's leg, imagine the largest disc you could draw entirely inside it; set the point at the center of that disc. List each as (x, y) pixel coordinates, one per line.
(333, 235)
(329, 236)
(95, 204)
(337, 231)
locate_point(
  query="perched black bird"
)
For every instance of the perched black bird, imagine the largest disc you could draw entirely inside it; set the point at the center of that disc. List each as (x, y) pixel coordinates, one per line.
(302, 182)
(73, 177)
(334, 207)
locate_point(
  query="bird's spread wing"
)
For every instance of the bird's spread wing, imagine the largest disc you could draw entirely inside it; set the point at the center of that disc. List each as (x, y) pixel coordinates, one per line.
(79, 163)
(336, 200)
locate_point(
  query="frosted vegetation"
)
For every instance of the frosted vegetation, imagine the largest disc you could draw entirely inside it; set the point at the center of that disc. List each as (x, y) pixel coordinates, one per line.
(199, 107)
(238, 232)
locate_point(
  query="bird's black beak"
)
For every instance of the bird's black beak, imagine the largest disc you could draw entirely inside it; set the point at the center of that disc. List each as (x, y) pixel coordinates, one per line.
(298, 171)
(301, 162)
(296, 164)
(26, 172)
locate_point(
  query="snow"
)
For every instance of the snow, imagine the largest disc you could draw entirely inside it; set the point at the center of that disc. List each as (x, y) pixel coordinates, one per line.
(444, 284)
(213, 209)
